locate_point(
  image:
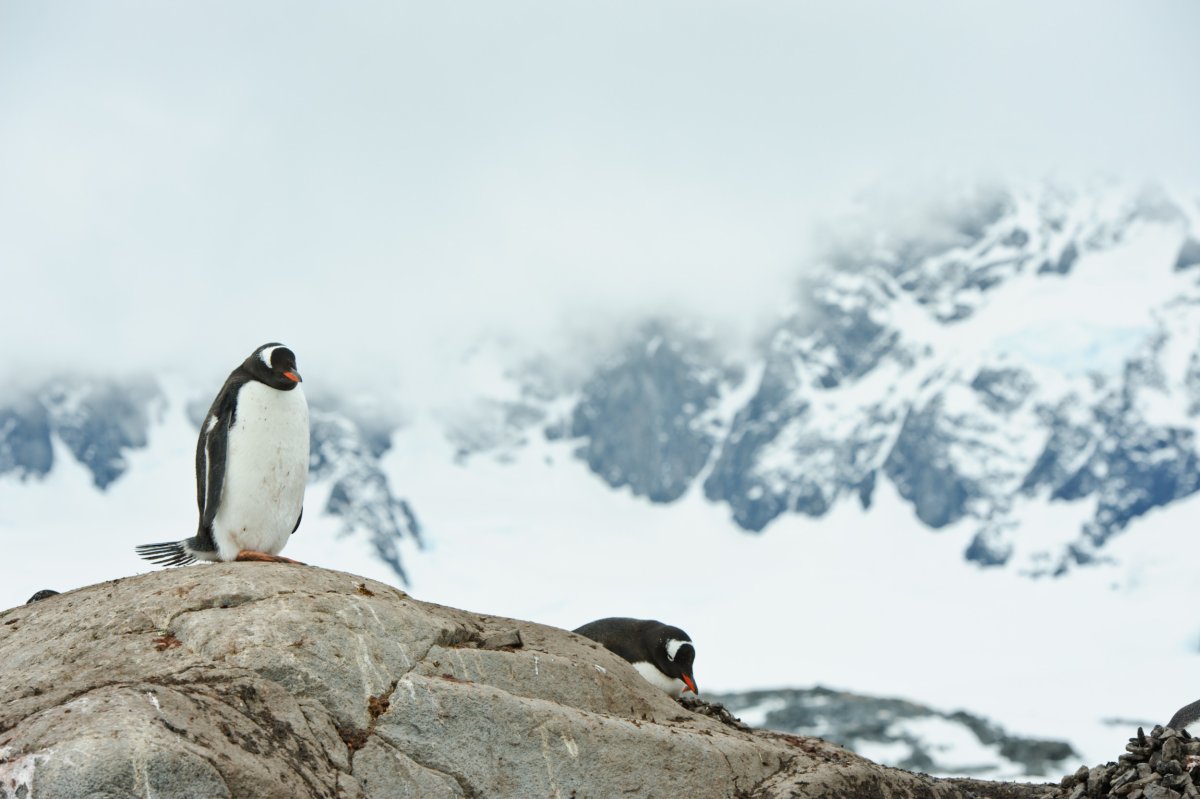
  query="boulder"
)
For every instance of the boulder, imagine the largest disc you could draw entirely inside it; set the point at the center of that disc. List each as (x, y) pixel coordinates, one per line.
(269, 680)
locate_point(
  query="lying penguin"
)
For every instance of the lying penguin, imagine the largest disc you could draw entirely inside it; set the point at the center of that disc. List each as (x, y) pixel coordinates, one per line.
(661, 653)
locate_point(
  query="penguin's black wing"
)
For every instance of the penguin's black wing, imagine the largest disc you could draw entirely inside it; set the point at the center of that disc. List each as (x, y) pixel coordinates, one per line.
(298, 518)
(211, 449)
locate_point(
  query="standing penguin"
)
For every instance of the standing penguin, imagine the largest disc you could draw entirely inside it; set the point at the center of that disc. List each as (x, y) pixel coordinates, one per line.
(661, 653)
(251, 465)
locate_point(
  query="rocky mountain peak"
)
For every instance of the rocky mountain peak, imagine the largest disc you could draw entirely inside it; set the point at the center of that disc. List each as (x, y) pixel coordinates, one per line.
(97, 420)
(934, 355)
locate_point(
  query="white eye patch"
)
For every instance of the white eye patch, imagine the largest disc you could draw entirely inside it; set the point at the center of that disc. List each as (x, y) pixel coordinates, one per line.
(673, 647)
(265, 355)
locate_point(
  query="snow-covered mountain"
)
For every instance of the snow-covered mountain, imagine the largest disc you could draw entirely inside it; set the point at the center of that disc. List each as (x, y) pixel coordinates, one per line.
(1019, 373)
(100, 422)
(1026, 348)
(1023, 347)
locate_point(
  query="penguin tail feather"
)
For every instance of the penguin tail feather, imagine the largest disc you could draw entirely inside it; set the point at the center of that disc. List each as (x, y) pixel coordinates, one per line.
(171, 553)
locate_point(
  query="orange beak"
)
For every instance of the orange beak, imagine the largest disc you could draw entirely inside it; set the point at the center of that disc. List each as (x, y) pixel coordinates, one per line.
(691, 684)
(295, 378)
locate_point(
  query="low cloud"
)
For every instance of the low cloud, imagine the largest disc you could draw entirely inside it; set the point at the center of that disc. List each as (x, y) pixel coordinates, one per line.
(382, 187)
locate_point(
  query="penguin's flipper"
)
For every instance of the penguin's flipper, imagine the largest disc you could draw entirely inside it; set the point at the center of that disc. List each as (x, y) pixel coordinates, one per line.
(298, 518)
(211, 449)
(170, 553)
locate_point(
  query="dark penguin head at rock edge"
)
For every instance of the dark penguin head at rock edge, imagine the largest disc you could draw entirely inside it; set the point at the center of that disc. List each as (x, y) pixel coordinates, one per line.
(663, 654)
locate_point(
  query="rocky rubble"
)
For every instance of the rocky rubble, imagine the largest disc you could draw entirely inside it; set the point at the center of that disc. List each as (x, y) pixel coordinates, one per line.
(714, 710)
(1162, 765)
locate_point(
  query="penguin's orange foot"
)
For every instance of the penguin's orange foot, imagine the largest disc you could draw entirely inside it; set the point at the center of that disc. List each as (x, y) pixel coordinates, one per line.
(250, 554)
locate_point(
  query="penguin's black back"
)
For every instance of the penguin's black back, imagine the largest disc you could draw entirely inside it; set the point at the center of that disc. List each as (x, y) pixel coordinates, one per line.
(211, 448)
(1188, 714)
(634, 640)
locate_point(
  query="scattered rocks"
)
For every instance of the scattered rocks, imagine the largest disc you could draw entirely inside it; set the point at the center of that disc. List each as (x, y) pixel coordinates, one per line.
(1162, 765)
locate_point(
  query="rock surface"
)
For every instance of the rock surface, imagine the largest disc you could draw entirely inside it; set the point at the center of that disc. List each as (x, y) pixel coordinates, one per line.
(269, 680)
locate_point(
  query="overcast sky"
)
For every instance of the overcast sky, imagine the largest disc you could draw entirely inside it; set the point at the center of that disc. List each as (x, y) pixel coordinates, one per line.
(377, 184)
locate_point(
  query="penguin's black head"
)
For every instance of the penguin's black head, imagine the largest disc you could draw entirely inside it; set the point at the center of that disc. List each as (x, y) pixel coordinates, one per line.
(275, 365)
(674, 655)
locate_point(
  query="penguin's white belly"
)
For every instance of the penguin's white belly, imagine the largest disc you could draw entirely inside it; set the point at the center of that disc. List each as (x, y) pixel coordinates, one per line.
(266, 469)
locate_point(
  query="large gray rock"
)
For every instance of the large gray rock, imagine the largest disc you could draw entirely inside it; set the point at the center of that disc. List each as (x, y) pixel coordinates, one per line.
(268, 680)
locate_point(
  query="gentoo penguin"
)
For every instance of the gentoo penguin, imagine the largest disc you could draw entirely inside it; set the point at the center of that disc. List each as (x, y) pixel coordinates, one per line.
(45, 593)
(1187, 718)
(251, 465)
(661, 653)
